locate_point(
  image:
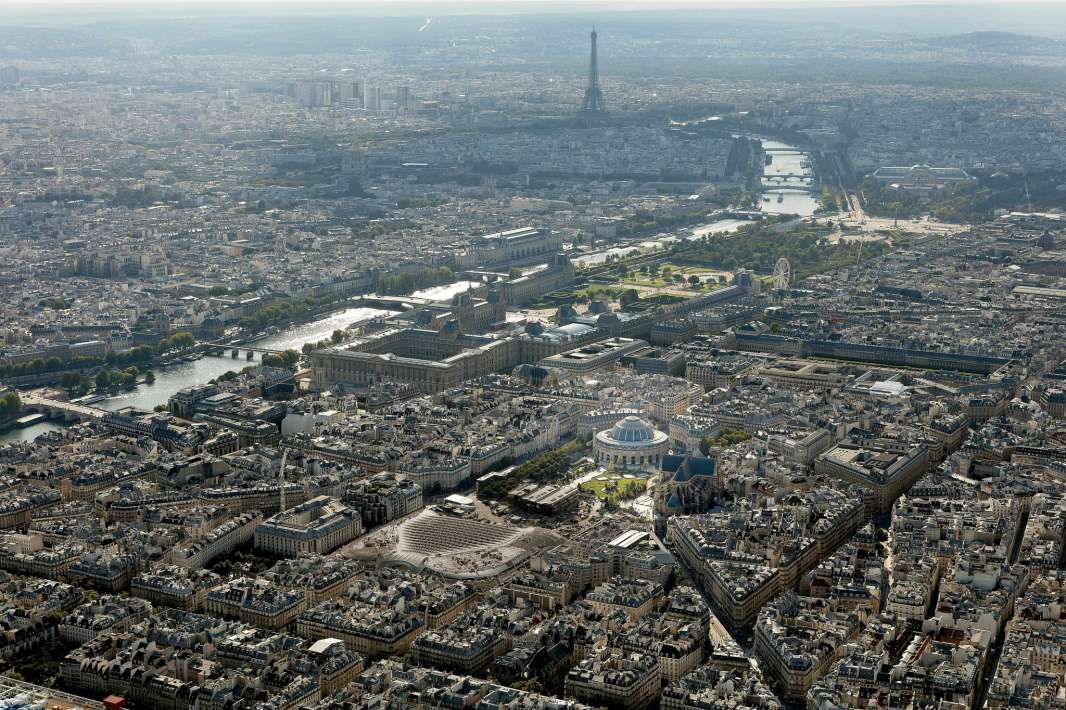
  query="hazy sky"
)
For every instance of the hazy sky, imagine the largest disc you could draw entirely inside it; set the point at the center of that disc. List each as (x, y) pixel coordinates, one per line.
(399, 4)
(1038, 17)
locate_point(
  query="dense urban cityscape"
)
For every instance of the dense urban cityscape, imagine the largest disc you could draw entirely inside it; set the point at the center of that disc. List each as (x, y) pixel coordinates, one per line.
(533, 357)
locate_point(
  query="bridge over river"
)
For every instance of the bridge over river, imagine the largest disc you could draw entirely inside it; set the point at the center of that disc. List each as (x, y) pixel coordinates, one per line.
(58, 409)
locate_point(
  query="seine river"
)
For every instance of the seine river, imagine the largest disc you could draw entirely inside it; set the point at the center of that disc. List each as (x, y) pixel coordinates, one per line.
(171, 379)
(784, 195)
(28, 434)
(784, 181)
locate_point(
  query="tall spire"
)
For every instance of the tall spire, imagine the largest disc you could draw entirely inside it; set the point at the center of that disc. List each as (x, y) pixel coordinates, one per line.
(593, 102)
(281, 479)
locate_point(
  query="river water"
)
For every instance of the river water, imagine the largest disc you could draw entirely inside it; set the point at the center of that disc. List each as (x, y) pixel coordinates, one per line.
(786, 160)
(720, 226)
(171, 379)
(294, 338)
(445, 293)
(781, 195)
(28, 434)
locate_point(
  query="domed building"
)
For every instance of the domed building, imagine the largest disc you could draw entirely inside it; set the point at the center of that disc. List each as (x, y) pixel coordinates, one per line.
(632, 444)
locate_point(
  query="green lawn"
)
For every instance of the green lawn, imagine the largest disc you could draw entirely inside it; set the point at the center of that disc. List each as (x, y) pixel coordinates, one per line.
(616, 483)
(639, 278)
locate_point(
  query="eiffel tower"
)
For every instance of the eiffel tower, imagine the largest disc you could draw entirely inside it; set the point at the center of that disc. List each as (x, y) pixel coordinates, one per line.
(593, 105)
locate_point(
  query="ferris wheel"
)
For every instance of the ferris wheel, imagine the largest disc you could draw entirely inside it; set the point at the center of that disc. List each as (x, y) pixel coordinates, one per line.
(782, 274)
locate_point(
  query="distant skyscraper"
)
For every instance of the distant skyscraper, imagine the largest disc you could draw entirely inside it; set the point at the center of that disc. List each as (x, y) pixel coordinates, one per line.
(312, 93)
(372, 98)
(348, 94)
(346, 90)
(403, 99)
(9, 76)
(593, 102)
